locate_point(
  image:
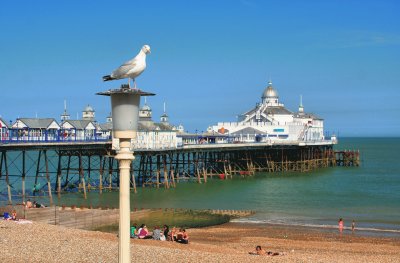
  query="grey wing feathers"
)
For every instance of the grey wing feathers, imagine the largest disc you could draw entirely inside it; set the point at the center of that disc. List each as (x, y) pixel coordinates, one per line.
(123, 69)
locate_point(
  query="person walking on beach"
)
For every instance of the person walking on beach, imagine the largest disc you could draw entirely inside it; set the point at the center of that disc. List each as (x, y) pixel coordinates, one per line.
(353, 226)
(340, 225)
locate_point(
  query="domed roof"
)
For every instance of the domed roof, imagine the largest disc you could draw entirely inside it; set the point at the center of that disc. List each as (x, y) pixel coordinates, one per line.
(269, 92)
(146, 107)
(88, 108)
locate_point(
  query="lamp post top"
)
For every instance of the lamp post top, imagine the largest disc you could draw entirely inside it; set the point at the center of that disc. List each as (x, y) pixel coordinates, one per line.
(125, 90)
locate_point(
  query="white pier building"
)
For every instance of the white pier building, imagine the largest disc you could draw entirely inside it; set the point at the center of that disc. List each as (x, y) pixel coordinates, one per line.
(270, 121)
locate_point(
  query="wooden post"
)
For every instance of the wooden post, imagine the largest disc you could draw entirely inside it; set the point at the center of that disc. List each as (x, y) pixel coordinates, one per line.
(23, 176)
(82, 176)
(48, 177)
(37, 172)
(68, 168)
(205, 174)
(4, 157)
(110, 168)
(59, 176)
(88, 170)
(133, 178)
(101, 171)
(165, 172)
(171, 169)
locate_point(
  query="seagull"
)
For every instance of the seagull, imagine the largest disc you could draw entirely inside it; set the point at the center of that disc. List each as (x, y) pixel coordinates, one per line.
(132, 68)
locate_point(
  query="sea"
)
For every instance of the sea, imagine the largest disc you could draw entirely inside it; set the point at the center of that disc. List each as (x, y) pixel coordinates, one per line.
(368, 194)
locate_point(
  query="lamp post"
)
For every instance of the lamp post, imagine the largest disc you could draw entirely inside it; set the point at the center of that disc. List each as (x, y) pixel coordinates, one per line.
(125, 114)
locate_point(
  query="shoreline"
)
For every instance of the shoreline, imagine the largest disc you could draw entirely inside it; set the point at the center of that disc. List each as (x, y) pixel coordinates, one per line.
(360, 231)
(229, 242)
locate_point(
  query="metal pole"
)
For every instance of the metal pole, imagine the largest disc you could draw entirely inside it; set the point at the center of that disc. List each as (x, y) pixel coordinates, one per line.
(125, 157)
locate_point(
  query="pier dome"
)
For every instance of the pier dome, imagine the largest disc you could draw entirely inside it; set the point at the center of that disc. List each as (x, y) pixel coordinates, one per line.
(269, 92)
(146, 107)
(88, 108)
(88, 113)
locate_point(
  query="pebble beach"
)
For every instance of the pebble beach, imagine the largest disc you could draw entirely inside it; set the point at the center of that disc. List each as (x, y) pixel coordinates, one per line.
(231, 242)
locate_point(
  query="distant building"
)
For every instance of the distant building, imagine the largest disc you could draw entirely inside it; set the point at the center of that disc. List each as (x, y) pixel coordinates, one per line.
(3, 130)
(88, 113)
(270, 120)
(150, 135)
(78, 130)
(35, 129)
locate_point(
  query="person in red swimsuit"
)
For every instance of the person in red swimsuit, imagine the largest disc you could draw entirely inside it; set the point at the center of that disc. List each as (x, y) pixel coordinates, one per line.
(340, 225)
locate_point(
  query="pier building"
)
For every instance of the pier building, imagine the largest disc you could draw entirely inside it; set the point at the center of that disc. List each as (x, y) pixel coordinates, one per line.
(270, 120)
(3, 130)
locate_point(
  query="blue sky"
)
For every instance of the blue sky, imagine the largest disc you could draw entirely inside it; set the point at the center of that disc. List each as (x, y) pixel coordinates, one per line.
(210, 60)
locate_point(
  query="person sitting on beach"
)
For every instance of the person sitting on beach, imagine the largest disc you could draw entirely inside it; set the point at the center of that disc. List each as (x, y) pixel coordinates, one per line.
(182, 237)
(29, 204)
(261, 252)
(14, 215)
(144, 233)
(156, 233)
(166, 231)
(258, 251)
(172, 234)
(133, 231)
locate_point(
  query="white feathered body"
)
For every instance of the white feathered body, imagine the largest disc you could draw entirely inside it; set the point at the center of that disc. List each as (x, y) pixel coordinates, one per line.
(132, 68)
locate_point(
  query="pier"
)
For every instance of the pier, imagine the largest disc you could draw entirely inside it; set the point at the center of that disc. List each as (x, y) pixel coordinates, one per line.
(28, 170)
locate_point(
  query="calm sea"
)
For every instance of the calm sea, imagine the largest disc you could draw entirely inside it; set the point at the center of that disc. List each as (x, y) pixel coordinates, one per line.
(369, 194)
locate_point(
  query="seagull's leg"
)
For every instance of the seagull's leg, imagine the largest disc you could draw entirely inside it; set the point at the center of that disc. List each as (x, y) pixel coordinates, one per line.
(134, 83)
(129, 82)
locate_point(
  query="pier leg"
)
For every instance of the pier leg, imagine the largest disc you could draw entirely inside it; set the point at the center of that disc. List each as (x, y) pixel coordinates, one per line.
(48, 177)
(101, 162)
(7, 179)
(133, 178)
(165, 172)
(23, 176)
(82, 176)
(59, 177)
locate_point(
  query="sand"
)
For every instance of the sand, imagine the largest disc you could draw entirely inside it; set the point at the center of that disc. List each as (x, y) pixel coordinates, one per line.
(230, 242)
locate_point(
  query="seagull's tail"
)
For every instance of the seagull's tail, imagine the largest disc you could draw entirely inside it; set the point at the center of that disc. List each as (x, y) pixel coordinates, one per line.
(107, 78)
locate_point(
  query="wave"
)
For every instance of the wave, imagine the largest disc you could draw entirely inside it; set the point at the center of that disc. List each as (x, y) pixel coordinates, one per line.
(322, 226)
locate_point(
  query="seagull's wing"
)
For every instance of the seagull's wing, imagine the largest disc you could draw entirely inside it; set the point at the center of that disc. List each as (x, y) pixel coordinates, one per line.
(124, 69)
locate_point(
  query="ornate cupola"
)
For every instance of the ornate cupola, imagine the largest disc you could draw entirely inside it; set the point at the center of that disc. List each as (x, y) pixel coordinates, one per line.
(88, 113)
(145, 111)
(270, 95)
(164, 116)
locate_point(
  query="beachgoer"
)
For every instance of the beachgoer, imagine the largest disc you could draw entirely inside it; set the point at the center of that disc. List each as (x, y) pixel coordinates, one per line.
(340, 225)
(182, 237)
(261, 252)
(14, 215)
(139, 230)
(172, 234)
(28, 204)
(156, 233)
(143, 234)
(353, 226)
(166, 231)
(133, 231)
(258, 251)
